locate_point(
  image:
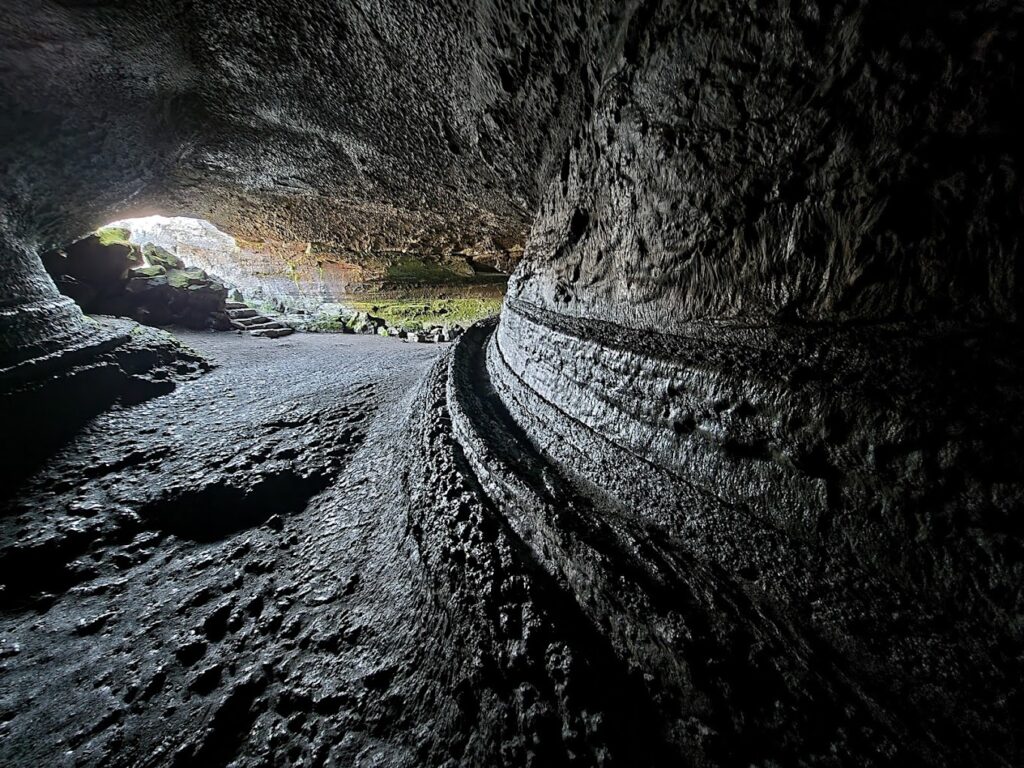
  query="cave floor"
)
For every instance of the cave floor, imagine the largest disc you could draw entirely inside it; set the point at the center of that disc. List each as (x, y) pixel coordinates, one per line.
(182, 556)
(343, 550)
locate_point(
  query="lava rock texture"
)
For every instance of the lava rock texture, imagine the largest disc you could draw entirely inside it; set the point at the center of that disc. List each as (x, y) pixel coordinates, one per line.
(148, 284)
(735, 479)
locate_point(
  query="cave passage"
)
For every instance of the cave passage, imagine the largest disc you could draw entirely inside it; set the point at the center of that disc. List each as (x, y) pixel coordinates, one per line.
(591, 383)
(163, 271)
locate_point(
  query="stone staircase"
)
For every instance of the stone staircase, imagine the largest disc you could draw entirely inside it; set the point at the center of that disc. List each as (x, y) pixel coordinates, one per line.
(245, 318)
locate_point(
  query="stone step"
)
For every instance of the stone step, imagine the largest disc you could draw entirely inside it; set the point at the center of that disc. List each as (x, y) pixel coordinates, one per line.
(248, 322)
(265, 323)
(238, 314)
(235, 305)
(273, 333)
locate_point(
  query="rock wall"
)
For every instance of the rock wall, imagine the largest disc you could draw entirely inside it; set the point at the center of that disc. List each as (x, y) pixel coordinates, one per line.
(379, 126)
(840, 161)
(768, 315)
(35, 320)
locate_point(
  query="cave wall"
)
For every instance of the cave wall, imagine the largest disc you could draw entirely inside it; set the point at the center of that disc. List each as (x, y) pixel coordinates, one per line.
(770, 307)
(812, 161)
(35, 320)
(698, 172)
(374, 125)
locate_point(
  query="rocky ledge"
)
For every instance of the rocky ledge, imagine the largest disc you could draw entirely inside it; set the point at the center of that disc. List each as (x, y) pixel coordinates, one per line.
(105, 274)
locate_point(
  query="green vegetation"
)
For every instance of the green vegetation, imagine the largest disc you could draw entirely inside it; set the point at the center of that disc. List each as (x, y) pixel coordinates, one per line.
(114, 235)
(161, 257)
(154, 271)
(183, 278)
(421, 271)
(414, 314)
(326, 325)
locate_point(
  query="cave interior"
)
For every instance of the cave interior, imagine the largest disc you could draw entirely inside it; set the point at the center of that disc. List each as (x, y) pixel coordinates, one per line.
(477, 383)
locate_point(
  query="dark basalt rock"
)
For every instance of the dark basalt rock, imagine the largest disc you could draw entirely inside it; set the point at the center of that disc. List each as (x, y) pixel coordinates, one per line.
(121, 363)
(735, 479)
(92, 261)
(150, 285)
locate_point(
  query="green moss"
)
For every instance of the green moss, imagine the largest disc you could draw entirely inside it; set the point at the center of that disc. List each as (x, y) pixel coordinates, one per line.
(161, 257)
(326, 325)
(431, 272)
(154, 271)
(424, 313)
(114, 235)
(183, 278)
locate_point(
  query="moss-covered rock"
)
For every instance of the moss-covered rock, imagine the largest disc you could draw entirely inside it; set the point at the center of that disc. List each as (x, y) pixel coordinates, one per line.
(114, 235)
(185, 278)
(412, 315)
(106, 275)
(160, 257)
(102, 265)
(153, 271)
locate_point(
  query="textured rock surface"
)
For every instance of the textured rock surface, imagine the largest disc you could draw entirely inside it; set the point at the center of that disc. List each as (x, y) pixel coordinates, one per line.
(148, 284)
(819, 161)
(355, 124)
(48, 397)
(316, 287)
(735, 480)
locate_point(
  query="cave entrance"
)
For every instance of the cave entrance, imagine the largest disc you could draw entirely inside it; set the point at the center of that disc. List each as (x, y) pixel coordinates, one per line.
(174, 270)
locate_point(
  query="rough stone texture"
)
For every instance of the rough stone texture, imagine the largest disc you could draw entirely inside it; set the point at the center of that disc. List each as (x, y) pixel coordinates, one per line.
(813, 161)
(148, 284)
(307, 278)
(769, 313)
(370, 124)
(735, 479)
(46, 398)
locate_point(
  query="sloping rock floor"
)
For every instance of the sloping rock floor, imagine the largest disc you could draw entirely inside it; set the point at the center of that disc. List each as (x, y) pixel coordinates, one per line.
(340, 550)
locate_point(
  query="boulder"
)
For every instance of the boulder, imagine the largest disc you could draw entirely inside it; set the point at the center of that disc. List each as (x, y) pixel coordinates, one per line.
(364, 322)
(146, 272)
(91, 261)
(111, 235)
(190, 277)
(160, 257)
(106, 275)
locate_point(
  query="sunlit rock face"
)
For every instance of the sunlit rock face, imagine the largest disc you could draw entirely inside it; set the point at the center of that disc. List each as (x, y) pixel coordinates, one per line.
(306, 275)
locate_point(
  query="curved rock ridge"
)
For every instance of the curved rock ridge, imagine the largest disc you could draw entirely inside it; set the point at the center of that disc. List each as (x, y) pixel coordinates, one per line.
(766, 609)
(334, 561)
(35, 320)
